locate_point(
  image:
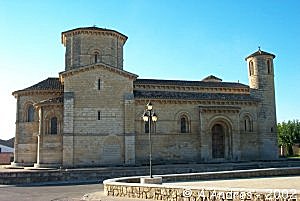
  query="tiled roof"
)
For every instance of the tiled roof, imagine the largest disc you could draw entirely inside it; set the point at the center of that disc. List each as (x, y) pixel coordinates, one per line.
(97, 65)
(93, 29)
(47, 84)
(258, 53)
(211, 77)
(190, 83)
(191, 96)
(52, 84)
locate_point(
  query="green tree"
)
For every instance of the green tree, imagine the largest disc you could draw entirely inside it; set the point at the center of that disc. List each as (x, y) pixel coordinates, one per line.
(288, 134)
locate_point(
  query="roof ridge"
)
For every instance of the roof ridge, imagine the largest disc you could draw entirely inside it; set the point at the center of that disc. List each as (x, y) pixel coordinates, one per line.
(93, 66)
(260, 52)
(198, 82)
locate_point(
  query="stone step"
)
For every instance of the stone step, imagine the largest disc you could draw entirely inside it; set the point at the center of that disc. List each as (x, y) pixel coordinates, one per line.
(33, 175)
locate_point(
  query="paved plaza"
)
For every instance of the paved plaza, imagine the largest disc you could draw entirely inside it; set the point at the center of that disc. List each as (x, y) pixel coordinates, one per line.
(54, 192)
(94, 192)
(274, 183)
(290, 182)
(57, 192)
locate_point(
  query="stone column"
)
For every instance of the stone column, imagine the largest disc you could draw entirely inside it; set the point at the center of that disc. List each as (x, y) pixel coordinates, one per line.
(235, 151)
(40, 137)
(68, 130)
(204, 138)
(16, 143)
(129, 130)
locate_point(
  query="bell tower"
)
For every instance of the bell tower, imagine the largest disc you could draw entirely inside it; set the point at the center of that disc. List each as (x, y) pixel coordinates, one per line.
(261, 81)
(90, 45)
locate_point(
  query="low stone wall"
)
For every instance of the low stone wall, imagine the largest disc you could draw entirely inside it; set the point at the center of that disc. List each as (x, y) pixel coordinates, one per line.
(10, 177)
(5, 158)
(232, 174)
(131, 188)
(25, 176)
(163, 192)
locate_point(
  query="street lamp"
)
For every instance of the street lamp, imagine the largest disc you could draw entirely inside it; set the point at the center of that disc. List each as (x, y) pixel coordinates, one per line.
(149, 116)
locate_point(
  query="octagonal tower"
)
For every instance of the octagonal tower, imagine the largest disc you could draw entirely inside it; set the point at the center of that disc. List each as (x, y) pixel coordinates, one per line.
(89, 45)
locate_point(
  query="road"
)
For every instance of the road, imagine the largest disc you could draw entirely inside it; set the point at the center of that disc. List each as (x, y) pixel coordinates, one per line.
(47, 193)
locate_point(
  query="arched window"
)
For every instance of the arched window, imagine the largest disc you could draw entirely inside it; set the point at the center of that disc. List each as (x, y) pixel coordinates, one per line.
(183, 124)
(248, 126)
(99, 115)
(96, 57)
(269, 66)
(251, 68)
(30, 114)
(53, 125)
(99, 84)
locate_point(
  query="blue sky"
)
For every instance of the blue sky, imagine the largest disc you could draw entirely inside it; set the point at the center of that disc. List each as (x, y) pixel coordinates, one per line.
(167, 39)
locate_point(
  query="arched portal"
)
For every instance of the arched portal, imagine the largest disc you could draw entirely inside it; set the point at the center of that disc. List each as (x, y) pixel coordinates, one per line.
(218, 141)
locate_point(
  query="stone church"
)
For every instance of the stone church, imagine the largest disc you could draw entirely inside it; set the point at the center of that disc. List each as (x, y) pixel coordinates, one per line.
(91, 114)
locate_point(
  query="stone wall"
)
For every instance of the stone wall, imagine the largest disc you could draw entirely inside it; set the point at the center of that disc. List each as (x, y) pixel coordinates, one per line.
(98, 150)
(82, 46)
(88, 100)
(249, 139)
(5, 158)
(21, 176)
(262, 86)
(51, 149)
(95, 122)
(172, 146)
(26, 132)
(169, 145)
(168, 148)
(26, 147)
(131, 188)
(155, 192)
(168, 116)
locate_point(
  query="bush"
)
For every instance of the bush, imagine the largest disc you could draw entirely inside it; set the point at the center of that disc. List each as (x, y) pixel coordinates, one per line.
(288, 135)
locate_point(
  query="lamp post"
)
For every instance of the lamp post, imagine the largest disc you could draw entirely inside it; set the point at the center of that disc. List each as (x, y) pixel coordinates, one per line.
(149, 116)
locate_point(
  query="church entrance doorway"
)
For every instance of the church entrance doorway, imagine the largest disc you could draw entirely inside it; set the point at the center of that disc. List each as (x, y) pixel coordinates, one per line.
(218, 141)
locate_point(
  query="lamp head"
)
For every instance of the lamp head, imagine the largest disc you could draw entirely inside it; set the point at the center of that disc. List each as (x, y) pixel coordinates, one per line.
(149, 106)
(154, 117)
(145, 116)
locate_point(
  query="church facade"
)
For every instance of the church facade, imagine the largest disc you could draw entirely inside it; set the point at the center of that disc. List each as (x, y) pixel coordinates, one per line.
(91, 114)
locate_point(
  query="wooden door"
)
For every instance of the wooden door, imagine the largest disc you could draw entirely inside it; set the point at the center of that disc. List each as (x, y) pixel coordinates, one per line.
(218, 141)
